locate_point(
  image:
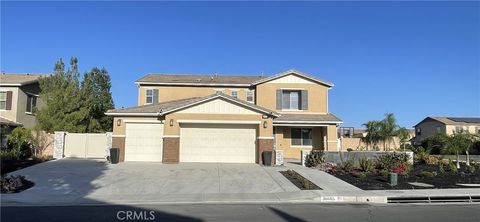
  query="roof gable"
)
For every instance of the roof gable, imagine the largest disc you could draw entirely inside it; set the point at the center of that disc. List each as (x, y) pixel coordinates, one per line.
(219, 106)
(303, 76)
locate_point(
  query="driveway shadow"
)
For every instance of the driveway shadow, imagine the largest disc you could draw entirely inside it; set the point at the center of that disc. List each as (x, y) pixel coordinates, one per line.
(66, 184)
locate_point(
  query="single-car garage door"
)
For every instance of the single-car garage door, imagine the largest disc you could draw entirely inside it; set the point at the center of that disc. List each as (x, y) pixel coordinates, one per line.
(144, 142)
(219, 143)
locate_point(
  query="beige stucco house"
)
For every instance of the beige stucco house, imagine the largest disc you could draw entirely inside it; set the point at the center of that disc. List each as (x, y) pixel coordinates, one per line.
(18, 98)
(445, 125)
(233, 119)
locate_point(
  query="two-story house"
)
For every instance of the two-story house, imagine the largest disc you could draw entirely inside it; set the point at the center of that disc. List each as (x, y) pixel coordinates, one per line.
(445, 125)
(233, 119)
(18, 98)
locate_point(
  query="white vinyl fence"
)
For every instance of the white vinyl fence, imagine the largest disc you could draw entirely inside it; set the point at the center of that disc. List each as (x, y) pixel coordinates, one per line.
(82, 145)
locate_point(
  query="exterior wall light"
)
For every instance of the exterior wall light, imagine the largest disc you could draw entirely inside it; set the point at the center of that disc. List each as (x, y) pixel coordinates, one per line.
(171, 122)
(119, 122)
(265, 124)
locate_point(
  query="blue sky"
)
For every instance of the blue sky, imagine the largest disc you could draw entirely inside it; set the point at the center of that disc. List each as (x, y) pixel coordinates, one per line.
(414, 59)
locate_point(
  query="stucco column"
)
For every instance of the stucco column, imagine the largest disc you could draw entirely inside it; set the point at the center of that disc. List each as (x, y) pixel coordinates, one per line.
(58, 145)
(331, 138)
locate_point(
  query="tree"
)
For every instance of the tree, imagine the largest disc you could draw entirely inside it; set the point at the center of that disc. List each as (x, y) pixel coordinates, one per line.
(373, 136)
(458, 143)
(388, 129)
(72, 105)
(404, 135)
(98, 98)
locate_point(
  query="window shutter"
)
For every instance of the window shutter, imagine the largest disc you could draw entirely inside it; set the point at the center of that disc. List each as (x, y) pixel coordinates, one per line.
(304, 99)
(279, 99)
(155, 96)
(8, 105)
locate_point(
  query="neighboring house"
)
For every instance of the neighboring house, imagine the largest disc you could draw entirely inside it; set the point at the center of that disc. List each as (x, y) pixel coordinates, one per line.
(18, 98)
(212, 118)
(445, 125)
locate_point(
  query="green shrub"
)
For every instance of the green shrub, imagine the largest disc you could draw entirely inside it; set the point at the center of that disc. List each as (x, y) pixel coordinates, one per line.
(452, 167)
(441, 168)
(361, 175)
(391, 160)
(366, 165)
(19, 141)
(314, 158)
(346, 166)
(383, 173)
(471, 169)
(427, 174)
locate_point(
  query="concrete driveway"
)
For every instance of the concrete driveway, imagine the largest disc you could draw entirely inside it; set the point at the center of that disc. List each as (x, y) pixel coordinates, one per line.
(89, 181)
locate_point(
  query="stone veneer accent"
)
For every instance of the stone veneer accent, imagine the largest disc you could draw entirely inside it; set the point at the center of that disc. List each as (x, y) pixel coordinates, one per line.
(171, 149)
(58, 145)
(119, 142)
(264, 145)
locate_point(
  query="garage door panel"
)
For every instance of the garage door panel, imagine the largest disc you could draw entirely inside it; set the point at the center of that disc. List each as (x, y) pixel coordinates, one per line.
(144, 142)
(217, 143)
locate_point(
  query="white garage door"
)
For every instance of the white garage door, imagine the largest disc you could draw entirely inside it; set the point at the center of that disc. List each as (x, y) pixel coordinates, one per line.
(219, 143)
(144, 142)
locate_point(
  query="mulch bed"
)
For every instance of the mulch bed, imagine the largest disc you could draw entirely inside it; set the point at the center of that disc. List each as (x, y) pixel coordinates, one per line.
(8, 166)
(442, 180)
(299, 181)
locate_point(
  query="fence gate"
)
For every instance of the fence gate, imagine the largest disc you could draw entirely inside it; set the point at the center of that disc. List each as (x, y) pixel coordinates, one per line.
(85, 145)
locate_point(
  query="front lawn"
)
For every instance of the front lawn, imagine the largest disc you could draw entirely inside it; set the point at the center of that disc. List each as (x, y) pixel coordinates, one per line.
(435, 178)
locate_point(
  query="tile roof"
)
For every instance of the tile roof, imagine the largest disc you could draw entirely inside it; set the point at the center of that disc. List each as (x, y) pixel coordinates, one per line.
(4, 121)
(307, 118)
(19, 79)
(455, 120)
(167, 107)
(197, 79)
(215, 79)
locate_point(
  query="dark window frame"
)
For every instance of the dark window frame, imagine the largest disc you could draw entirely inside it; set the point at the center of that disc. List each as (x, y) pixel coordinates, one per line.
(301, 136)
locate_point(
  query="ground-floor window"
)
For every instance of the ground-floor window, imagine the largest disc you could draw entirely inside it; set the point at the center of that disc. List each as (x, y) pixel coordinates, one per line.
(301, 136)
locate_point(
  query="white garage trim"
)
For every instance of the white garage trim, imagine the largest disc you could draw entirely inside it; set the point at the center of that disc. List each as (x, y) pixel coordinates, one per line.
(218, 121)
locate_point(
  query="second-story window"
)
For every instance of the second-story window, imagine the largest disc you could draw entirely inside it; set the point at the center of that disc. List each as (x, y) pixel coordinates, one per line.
(3, 100)
(235, 94)
(419, 132)
(149, 96)
(438, 129)
(31, 103)
(291, 100)
(250, 96)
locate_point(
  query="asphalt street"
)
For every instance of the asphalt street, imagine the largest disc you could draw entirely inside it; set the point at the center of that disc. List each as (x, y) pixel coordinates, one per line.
(246, 212)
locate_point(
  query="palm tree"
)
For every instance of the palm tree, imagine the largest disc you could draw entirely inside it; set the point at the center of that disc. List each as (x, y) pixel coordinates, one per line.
(404, 135)
(373, 136)
(388, 129)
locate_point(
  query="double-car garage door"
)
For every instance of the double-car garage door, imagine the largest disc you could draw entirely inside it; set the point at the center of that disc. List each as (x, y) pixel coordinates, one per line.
(223, 143)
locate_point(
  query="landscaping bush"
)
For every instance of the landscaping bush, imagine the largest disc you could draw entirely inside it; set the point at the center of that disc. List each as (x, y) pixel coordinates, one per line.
(314, 158)
(441, 168)
(12, 184)
(383, 173)
(471, 169)
(391, 160)
(18, 144)
(346, 166)
(366, 165)
(427, 174)
(453, 168)
(361, 175)
(431, 160)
